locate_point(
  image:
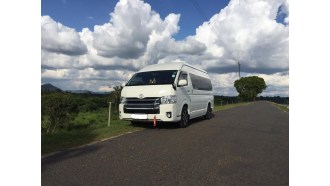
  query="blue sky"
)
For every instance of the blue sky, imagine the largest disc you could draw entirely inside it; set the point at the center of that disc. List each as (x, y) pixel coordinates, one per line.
(97, 45)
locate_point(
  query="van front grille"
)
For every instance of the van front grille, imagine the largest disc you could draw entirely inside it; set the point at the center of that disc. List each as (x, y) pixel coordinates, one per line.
(149, 105)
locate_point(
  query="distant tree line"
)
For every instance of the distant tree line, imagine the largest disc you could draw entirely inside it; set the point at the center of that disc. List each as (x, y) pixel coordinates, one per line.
(225, 99)
(236, 99)
(275, 99)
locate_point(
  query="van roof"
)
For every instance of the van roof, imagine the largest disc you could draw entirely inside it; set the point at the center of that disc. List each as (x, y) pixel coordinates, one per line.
(169, 66)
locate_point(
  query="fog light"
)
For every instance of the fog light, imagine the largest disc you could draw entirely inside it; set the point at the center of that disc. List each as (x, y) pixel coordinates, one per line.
(169, 114)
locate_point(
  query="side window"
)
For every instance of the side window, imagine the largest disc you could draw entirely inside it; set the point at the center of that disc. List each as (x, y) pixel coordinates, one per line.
(200, 83)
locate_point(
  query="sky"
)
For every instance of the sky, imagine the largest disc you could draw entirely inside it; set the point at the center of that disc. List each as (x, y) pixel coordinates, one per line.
(96, 45)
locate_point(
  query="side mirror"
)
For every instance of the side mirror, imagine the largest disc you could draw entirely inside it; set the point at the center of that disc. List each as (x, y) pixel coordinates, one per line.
(182, 82)
(123, 84)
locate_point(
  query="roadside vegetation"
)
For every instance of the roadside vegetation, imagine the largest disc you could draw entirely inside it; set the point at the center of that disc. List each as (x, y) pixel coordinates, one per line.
(281, 107)
(218, 107)
(70, 120)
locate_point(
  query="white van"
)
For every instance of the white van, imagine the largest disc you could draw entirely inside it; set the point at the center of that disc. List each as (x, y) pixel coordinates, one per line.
(169, 92)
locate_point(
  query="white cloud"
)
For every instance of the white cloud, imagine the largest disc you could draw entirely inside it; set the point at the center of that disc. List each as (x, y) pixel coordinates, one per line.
(58, 38)
(136, 36)
(277, 83)
(105, 89)
(80, 79)
(127, 33)
(188, 46)
(246, 31)
(55, 74)
(223, 84)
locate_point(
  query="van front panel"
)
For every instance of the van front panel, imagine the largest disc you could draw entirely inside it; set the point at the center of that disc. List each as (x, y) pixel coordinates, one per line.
(161, 113)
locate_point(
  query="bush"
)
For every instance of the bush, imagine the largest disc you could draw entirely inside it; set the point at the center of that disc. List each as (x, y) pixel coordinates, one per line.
(57, 110)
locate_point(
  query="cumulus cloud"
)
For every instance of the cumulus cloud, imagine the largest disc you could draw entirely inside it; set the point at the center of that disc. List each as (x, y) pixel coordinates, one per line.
(136, 36)
(127, 33)
(247, 32)
(188, 46)
(60, 39)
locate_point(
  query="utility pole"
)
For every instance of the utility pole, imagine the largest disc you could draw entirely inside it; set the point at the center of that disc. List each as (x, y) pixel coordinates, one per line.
(109, 114)
(239, 70)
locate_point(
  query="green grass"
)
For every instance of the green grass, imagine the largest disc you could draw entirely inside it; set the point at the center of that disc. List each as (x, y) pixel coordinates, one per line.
(93, 126)
(281, 107)
(223, 107)
(88, 127)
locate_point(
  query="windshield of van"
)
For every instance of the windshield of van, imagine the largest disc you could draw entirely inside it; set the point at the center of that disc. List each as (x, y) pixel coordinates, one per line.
(153, 78)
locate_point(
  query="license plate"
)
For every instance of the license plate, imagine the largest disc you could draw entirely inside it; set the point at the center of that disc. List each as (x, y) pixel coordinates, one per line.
(139, 116)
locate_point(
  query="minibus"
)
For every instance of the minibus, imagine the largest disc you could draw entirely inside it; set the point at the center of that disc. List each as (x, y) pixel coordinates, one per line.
(169, 92)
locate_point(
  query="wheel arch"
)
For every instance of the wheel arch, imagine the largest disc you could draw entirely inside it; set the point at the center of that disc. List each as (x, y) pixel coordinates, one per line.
(185, 103)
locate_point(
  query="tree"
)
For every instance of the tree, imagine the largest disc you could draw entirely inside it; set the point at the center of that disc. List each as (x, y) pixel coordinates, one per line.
(57, 109)
(249, 87)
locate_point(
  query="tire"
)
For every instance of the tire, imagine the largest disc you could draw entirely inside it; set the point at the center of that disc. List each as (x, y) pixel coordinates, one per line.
(184, 122)
(208, 114)
(133, 123)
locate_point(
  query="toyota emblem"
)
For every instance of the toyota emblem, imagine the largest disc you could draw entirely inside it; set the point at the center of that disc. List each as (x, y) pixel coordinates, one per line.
(141, 96)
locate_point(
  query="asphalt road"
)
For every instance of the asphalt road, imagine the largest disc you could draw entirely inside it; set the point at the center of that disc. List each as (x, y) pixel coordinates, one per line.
(247, 145)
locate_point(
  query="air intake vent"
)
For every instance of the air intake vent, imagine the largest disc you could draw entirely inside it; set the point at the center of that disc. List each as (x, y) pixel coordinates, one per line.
(148, 105)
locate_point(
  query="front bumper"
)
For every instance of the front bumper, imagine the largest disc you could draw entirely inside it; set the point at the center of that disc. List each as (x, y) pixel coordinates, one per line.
(161, 116)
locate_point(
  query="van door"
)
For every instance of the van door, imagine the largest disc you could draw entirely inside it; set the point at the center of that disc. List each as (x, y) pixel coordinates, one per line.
(184, 92)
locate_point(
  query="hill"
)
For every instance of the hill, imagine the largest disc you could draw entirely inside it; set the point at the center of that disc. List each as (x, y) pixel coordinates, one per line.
(50, 88)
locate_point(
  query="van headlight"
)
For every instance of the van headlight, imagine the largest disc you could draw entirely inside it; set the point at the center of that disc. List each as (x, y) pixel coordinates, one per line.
(168, 99)
(122, 100)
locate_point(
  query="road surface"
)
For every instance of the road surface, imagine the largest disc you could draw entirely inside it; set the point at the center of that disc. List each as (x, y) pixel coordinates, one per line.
(247, 145)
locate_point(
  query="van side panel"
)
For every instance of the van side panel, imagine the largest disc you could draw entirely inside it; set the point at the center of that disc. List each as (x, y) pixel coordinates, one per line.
(199, 98)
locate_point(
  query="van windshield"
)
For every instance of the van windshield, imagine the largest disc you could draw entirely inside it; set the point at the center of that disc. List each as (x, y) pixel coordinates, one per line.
(153, 78)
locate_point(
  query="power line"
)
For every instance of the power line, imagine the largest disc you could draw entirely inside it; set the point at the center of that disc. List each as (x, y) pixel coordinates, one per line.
(200, 10)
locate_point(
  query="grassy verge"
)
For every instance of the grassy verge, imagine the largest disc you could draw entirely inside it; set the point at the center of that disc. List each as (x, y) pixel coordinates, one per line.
(88, 127)
(223, 107)
(281, 107)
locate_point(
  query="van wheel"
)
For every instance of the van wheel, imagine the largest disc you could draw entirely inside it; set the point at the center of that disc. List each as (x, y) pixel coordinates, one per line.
(184, 118)
(133, 123)
(208, 114)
